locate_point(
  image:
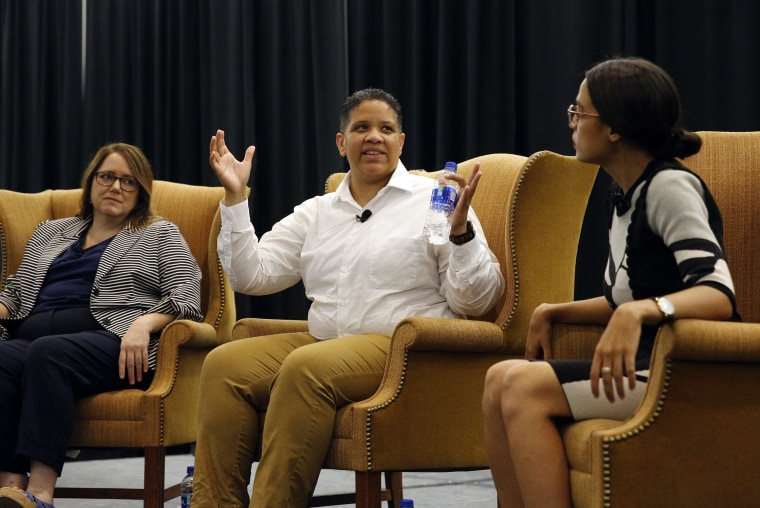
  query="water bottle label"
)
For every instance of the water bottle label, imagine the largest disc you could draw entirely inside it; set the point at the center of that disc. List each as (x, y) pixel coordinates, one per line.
(450, 196)
(186, 500)
(437, 199)
(443, 199)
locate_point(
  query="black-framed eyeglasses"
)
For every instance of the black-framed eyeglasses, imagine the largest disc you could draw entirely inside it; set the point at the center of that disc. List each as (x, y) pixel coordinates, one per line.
(573, 114)
(127, 183)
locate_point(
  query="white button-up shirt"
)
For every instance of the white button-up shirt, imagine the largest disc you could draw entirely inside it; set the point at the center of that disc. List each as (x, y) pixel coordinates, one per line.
(362, 276)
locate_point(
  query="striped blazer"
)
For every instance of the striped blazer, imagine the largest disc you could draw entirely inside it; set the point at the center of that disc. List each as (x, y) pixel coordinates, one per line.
(142, 271)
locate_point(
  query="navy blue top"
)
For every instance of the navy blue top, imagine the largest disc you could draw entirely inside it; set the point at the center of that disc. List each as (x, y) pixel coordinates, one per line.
(69, 279)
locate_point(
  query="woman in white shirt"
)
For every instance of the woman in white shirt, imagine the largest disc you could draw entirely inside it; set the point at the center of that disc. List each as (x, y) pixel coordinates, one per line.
(365, 266)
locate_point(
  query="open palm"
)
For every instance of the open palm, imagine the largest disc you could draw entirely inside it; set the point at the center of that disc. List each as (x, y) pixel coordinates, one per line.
(232, 173)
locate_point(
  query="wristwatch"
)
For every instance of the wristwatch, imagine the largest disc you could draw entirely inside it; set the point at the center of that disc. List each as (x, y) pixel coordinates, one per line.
(464, 237)
(666, 308)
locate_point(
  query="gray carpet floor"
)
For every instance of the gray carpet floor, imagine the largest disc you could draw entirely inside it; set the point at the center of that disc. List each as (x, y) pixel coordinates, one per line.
(429, 490)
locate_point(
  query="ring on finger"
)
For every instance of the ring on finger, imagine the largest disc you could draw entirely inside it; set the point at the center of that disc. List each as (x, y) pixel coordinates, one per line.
(606, 370)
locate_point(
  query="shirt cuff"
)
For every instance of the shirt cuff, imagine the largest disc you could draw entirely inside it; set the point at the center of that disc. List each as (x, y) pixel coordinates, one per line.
(236, 216)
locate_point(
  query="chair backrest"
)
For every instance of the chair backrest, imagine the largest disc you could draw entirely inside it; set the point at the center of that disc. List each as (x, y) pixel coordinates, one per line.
(491, 204)
(547, 208)
(729, 163)
(194, 209)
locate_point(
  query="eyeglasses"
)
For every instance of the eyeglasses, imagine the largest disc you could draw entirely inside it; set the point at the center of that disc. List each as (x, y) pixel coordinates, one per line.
(127, 183)
(573, 114)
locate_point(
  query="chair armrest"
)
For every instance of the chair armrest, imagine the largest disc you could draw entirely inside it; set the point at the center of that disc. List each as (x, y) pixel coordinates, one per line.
(418, 333)
(187, 333)
(257, 327)
(575, 342)
(712, 341)
(701, 401)
(196, 339)
(431, 390)
(426, 339)
(442, 334)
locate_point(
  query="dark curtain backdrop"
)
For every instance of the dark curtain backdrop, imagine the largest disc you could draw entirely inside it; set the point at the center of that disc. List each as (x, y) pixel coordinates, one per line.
(40, 94)
(473, 76)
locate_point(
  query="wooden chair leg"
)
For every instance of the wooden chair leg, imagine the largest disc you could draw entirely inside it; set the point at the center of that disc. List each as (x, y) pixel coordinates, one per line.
(393, 483)
(367, 489)
(153, 482)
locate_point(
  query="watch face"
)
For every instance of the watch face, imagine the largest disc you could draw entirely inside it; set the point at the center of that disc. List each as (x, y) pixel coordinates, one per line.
(665, 306)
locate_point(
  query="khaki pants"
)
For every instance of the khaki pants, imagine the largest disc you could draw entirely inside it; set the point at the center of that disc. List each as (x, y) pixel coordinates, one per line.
(300, 382)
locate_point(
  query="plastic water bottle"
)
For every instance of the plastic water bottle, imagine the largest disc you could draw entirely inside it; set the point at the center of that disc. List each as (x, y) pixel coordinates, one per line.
(442, 203)
(406, 503)
(186, 487)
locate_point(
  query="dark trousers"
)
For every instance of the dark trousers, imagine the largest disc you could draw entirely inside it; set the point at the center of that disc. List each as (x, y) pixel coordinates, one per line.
(53, 359)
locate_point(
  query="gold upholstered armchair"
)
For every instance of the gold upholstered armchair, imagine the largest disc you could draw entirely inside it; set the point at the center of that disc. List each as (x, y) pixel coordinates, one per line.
(693, 441)
(165, 414)
(426, 414)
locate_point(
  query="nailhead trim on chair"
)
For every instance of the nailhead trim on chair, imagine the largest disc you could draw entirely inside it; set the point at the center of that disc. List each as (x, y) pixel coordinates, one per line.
(383, 406)
(222, 296)
(3, 250)
(217, 321)
(512, 248)
(617, 439)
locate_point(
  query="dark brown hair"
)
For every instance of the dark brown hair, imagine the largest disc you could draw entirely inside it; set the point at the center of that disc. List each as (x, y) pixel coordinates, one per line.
(639, 101)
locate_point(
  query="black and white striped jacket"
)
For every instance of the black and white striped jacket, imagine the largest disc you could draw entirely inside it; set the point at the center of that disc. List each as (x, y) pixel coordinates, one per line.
(142, 271)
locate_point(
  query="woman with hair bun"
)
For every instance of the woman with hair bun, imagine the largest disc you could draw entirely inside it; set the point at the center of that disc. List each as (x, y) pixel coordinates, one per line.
(666, 261)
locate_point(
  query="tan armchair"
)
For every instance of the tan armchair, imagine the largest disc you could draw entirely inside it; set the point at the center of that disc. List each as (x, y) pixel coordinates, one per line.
(426, 414)
(166, 413)
(693, 440)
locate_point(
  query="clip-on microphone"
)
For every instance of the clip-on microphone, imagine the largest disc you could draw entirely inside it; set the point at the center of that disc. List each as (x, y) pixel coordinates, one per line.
(364, 216)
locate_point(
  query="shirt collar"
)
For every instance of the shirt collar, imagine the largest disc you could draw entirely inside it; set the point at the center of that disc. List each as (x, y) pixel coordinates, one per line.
(400, 179)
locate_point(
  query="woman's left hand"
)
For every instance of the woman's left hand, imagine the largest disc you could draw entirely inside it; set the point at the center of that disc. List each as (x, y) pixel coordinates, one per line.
(133, 359)
(615, 354)
(466, 192)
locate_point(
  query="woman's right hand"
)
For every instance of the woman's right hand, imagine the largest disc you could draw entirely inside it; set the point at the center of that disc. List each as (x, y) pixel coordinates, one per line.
(232, 174)
(592, 311)
(538, 342)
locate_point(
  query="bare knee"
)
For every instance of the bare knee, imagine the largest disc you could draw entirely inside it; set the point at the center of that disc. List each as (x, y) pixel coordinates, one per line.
(531, 389)
(496, 383)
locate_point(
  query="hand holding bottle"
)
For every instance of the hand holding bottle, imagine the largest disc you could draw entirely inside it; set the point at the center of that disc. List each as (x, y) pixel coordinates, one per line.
(466, 192)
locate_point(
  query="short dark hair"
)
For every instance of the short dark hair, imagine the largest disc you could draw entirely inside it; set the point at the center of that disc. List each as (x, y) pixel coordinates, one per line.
(368, 94)
(640, 101)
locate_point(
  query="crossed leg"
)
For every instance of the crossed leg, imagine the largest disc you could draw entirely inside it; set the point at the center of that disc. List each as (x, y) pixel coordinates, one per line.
(525, 451)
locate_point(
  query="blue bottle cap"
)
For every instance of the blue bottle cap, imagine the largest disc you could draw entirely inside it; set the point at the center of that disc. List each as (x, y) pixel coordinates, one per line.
(452, 166)
(190, 469)
(406, 503)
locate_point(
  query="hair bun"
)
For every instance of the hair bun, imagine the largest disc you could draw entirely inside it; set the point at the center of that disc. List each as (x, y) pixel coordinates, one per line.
(681, 144)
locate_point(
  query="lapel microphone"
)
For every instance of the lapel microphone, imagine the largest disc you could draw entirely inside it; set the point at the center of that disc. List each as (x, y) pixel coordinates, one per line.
(364, 216)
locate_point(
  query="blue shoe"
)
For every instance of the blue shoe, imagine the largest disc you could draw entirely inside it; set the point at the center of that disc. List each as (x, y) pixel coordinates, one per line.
(11, 497)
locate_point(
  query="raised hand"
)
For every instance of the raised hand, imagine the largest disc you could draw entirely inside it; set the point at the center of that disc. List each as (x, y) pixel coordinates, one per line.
(232, 173)
(466, 192)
